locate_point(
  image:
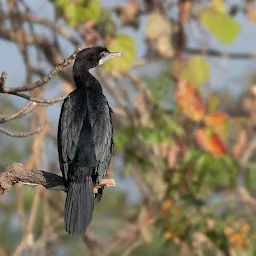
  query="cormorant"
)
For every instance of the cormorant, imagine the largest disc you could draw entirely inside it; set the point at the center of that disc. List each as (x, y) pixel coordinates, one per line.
(85, 139)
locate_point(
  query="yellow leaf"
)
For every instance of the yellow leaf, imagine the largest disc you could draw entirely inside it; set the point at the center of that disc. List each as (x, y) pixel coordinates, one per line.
(157, 26)
(126, 45)
(221, 25)
(195, 70)
(219, 5)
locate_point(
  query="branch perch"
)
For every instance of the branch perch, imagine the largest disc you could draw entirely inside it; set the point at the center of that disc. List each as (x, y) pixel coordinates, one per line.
(18, 173)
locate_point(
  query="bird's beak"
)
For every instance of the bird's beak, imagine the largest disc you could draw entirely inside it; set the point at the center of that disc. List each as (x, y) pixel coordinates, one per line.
(108, 56)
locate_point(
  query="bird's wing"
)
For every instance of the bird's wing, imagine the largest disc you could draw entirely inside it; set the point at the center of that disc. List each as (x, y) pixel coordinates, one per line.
(69, 128)
(102, 129)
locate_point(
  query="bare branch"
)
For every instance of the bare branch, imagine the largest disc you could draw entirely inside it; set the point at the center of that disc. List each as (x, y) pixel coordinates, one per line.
(139, 84)
(46, 78)
(40, 101)
(22, 134)
(18, 173)
(246, 197)
(30, 106)
(216, 53)
(248, 153)
(45, 22)
(92, 243)
(2, 80)
(109, 86)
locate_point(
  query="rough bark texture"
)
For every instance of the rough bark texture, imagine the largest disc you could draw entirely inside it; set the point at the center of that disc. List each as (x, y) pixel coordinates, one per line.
(18, 173)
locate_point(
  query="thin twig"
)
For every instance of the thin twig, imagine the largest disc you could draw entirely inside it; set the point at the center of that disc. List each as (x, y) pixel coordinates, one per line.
(109, 86)
(132, 247)
(216, 53)
(45, 22)
(139, 84)
(30, 106)
(40, 101)
(246, 197)
(22, 134)
(2, 80)
(250, 150)
(92, 244)
(46, 78)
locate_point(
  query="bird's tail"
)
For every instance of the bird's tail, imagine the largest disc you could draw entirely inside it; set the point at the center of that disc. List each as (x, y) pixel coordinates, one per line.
(79, 206)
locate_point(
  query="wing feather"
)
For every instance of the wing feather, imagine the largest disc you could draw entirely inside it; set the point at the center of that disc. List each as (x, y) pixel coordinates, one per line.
(70, 137)
(102, 129)
(69, 128)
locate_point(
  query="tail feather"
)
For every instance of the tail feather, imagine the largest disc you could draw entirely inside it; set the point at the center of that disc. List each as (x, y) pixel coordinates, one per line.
(79, 206)
(99, 194)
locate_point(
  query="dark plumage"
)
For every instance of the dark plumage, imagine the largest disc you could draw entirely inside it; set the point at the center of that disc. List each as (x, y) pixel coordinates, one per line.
(85, 139)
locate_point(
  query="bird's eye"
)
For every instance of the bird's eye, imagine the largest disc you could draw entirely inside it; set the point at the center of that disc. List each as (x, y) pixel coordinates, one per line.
(102, 54)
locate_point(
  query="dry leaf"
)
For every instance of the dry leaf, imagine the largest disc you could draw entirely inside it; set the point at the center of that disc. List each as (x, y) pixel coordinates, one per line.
(209, 141)
(158, 33)
(189, 100)
(250, 10)
(217, 121)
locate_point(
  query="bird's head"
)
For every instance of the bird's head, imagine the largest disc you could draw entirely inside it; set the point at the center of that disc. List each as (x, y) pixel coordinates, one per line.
(92, 57)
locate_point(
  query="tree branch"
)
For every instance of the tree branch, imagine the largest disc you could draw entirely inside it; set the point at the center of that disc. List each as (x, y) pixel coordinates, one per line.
(29, 17)
(42, 81)
(39, 101)
(216, 53)
(2, 80)
(30, 106)
(18, 173)
(22, 134)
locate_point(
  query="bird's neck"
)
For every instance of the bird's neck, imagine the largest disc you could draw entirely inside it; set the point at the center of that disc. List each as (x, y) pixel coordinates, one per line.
(84, 79)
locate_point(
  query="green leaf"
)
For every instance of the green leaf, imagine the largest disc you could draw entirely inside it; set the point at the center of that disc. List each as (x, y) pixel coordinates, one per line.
(191, 156)
(221, 25)
(106, 24)
(150, 135)
(202, 161)
(196, 70)
(80, 11)
(213, 103)
(123, 138)
(92, 10)
(126, 45)
(172, 125)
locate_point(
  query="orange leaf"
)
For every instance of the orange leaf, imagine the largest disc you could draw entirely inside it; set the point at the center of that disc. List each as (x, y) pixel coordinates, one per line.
(216, 121)
(209, 141)
(189, 100)
(166, 206)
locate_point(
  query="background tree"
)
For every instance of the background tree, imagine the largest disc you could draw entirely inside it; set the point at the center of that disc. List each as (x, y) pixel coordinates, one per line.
(184, 100)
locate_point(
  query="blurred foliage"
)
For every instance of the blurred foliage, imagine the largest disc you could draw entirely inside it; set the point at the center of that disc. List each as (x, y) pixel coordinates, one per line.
(195, 70)
(126, 45)
(80, 10)
(221, 25)
(176, 140)
(158, 32)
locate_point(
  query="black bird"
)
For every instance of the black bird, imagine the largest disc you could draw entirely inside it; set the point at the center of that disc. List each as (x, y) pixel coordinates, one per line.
(85, 139)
